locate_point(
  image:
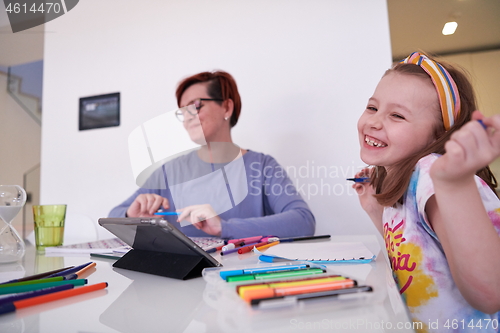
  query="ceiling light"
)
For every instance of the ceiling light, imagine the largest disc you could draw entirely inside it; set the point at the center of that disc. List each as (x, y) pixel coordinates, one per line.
(449, 28)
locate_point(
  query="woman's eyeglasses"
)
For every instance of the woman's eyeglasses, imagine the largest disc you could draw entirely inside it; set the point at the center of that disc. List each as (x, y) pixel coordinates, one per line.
(193, 108)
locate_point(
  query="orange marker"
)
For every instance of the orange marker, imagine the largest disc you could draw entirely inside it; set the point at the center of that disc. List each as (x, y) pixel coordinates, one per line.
(85, 269)
(267, 245)
(244, 288)
(79, 273)
(11, 307)
(297, 290)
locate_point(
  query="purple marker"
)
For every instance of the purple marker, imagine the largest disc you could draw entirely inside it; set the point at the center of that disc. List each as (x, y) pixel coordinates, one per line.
(70, 271)
(359, 179)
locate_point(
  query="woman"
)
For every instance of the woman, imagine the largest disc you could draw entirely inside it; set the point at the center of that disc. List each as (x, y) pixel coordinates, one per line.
(210, 106)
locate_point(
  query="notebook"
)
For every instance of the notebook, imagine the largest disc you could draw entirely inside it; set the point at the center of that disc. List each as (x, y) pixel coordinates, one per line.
(321, 252)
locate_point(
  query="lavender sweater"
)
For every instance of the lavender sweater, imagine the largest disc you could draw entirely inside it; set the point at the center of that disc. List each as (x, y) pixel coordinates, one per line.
(272, 206)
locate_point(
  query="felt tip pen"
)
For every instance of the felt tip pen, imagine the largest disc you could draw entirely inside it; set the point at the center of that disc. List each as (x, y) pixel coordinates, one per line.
(106, 256)
(214, 248)
(298, 289)
(38, 276)
(29, 294)
(247, 240)
(263, 247)
(16, 305)
(270, 239)
(80, 273)
(237, 249)
(302, 297)
(38, 286)
(70, 270)
(359, 179)
(257, 270)
(23, 283)
(249, 248)
(248, 292)
(167, 213)
(482, 123)
(227, 247)
(275, 275)
(296, 239)
(306, 279)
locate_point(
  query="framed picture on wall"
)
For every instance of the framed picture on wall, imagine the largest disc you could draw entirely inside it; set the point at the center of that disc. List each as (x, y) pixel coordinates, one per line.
(99, 111)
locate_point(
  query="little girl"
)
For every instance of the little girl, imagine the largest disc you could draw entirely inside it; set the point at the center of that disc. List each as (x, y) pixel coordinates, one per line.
(431, 193)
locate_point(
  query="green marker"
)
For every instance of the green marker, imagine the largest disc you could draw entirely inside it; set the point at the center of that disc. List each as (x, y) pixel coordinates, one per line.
(23, 283)
(37, 286)
(264, 276)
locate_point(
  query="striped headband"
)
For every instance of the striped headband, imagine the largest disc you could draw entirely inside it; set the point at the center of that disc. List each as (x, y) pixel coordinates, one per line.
(445, 86)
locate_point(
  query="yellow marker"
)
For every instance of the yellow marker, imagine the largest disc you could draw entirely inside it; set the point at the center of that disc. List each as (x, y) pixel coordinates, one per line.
(267, 245)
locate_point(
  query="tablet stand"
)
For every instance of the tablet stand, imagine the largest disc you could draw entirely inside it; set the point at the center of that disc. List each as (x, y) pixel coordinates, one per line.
(173, 265)
(160, 249)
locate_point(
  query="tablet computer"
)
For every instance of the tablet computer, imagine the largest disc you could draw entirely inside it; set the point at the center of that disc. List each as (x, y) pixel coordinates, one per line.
(157, 246)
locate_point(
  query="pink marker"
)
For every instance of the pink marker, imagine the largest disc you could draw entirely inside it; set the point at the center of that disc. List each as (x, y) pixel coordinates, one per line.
(247, 240)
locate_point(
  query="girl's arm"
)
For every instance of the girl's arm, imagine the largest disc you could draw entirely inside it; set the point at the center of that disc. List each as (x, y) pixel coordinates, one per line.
(457, 214)
(365, 193)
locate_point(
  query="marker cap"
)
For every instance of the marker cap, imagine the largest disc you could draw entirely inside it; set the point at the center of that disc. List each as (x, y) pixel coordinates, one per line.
(258, 293)
(239, 278)
(225, 274)
(6, 308)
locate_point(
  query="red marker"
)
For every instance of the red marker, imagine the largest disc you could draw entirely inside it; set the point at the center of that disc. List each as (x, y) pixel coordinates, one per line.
(249, 248)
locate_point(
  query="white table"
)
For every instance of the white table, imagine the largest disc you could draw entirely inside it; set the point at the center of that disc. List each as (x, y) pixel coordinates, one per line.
(138, 302)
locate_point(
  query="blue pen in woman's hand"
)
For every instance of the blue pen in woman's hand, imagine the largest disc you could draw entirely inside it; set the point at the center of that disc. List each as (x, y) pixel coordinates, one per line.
(167, 213)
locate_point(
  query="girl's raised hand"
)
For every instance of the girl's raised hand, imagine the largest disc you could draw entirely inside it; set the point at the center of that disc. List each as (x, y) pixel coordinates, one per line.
(469, 149)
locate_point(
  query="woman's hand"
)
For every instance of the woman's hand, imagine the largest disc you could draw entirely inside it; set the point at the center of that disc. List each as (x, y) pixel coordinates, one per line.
(368, 202)
(146, 204)
(203, 217)
(469, 149)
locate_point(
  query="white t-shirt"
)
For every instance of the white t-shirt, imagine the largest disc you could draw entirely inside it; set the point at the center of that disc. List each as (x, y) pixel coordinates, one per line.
(419, 264)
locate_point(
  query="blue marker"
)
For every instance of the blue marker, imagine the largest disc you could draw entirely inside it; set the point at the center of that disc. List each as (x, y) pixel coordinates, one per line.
(167, 213)
(70, 271)
(268, 269)
(360, 180)
(482, 123)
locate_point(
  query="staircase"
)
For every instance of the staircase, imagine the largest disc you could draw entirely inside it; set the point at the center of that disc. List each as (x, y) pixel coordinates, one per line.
(30, 103)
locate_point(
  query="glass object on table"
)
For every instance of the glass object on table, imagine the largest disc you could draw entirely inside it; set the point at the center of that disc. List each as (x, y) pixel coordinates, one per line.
(12, 200)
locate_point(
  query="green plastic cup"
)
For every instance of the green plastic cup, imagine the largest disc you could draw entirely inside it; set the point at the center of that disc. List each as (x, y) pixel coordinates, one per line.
(49, 225)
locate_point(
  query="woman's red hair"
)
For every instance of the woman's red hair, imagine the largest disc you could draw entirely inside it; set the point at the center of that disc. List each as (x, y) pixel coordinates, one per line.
(221, 85)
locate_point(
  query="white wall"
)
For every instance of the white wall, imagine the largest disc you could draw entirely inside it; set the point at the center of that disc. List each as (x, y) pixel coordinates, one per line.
(304, 68)
(484, 72)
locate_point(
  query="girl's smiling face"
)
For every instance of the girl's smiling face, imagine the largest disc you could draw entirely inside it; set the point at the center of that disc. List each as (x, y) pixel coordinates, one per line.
(401, 118)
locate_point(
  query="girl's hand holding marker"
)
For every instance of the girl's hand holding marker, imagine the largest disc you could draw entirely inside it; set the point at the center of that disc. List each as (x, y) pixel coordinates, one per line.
(469, 149)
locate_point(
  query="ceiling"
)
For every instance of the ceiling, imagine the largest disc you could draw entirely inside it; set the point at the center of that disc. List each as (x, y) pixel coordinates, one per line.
(414, 25)
(417, 24)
